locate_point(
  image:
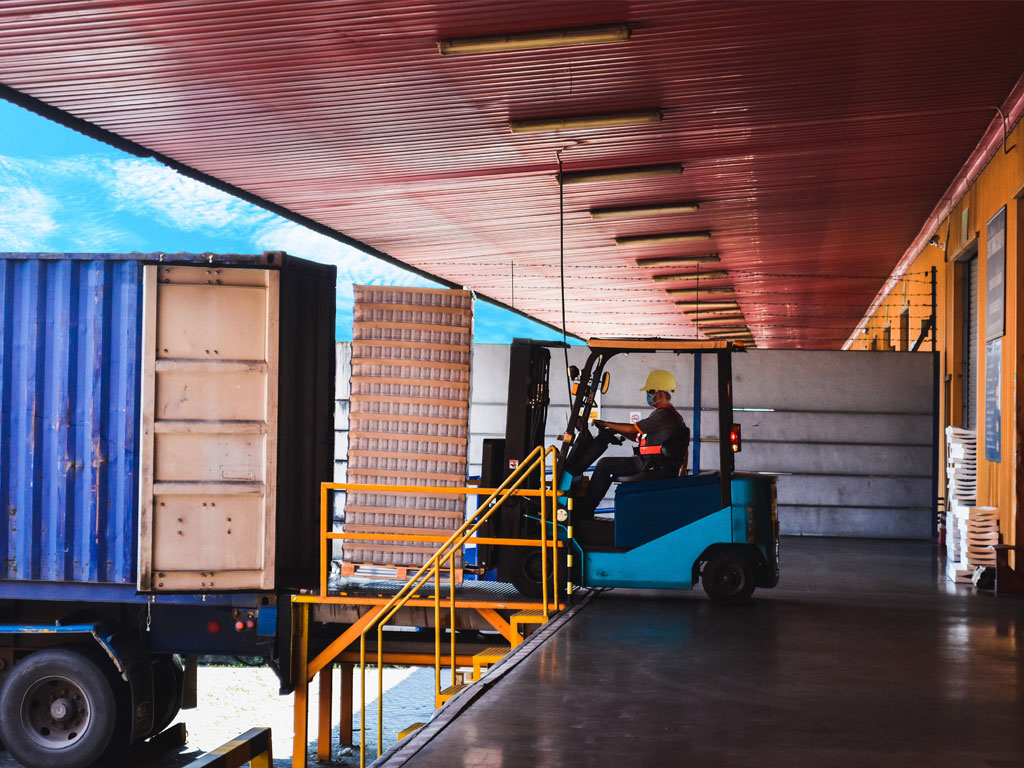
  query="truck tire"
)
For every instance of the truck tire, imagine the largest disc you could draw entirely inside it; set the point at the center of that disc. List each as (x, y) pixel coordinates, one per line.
(168, 679)
(58, 709)
(728, 578)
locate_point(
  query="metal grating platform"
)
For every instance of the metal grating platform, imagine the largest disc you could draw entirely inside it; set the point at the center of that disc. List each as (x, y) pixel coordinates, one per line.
(474, 591)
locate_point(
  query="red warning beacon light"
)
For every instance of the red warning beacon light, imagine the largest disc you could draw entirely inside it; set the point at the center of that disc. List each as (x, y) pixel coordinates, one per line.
(735, 438)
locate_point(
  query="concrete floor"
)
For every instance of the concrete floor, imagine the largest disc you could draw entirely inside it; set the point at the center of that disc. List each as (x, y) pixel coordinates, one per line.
(862, 656)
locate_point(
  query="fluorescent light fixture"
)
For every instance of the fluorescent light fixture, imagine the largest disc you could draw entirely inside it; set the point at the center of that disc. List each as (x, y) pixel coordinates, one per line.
(755, 410)
(624, 173)
(729, 322)
(677, 276)
(729, 333)
(704, 306)
(690, 276)
(713, 312)
(582, 122)
(525, 41)
(698, 291)
(664, 237)
(636, 211)
(678, 261)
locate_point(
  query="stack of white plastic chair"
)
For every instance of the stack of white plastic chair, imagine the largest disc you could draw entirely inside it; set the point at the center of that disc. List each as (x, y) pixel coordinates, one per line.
(961, 495)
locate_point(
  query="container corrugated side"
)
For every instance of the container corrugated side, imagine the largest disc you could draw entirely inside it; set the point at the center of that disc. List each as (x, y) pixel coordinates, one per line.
(69, 390)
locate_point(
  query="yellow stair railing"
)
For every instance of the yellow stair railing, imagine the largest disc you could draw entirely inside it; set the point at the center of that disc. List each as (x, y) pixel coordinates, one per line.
(444, 556)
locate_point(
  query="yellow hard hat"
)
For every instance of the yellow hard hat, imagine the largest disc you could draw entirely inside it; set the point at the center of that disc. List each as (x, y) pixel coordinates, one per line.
(660, 380)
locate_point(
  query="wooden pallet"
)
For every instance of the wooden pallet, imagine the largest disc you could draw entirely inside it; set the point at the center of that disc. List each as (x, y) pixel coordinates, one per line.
(397, 572)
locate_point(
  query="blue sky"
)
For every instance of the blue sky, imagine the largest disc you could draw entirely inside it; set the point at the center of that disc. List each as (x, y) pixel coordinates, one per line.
(63, 192)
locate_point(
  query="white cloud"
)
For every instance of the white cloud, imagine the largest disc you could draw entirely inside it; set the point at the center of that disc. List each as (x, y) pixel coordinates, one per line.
(146, 188)
(26, 218)
(354, 266)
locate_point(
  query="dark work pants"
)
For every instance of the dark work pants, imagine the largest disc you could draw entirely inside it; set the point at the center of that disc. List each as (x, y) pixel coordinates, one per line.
(607, 470)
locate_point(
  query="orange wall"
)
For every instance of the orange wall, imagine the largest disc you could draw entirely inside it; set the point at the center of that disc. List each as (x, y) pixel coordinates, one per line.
(999, 484)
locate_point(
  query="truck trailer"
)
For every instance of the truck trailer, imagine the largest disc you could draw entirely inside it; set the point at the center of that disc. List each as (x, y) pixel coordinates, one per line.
(165, 423)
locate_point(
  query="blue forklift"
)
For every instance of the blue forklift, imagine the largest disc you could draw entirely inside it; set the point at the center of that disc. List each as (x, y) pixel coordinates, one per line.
(668, 531)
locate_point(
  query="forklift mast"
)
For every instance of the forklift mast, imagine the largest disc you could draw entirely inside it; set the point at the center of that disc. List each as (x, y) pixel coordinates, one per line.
(525, 423)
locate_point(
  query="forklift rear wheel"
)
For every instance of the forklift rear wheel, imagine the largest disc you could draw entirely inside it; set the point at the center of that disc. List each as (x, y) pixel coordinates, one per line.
(728, 578)
(58, 708)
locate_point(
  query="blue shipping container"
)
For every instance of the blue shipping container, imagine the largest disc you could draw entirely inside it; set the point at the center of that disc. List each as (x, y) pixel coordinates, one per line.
(69, 388)
(70, 393)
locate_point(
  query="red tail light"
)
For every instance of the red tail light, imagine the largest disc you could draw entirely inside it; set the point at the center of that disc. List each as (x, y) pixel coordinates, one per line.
(735, 438)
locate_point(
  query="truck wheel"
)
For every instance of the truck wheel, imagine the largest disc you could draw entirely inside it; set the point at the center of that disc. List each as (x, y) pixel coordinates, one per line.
(728, 578)
(168, 679)
(58, 709)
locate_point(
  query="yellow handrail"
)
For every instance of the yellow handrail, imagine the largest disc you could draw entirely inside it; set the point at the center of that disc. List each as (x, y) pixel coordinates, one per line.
(445, 555)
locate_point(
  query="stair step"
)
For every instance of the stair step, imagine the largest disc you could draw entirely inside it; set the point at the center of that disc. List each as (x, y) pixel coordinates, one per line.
(450, 691)
(532, 616)
(410, 730)
(487, 657)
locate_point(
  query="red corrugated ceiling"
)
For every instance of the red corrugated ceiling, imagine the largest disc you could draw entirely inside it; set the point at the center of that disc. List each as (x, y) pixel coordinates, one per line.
(816, 136)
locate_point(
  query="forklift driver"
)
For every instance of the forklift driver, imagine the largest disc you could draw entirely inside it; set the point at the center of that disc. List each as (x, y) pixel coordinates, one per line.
(664, 428)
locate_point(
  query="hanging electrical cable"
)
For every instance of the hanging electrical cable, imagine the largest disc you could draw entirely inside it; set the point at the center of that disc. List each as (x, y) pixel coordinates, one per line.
(561, 270)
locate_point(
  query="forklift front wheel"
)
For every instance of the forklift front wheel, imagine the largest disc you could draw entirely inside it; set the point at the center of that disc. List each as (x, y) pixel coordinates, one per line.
(525, 573)
(728, 578)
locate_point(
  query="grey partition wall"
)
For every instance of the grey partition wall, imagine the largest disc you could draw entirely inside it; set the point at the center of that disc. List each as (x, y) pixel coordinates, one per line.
(849, 434)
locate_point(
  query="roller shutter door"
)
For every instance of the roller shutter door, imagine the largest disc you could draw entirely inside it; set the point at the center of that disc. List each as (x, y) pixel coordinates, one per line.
(970, 344)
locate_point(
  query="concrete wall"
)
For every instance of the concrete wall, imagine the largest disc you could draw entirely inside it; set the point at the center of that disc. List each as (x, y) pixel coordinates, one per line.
(848, 433)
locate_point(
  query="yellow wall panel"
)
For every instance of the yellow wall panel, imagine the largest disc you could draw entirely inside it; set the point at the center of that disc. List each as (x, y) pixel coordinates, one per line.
(998, 185)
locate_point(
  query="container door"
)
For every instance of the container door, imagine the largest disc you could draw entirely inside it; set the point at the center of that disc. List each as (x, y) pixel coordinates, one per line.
(209, 429)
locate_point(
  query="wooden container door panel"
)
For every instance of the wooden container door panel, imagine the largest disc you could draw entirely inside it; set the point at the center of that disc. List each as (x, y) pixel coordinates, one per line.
(209, 429)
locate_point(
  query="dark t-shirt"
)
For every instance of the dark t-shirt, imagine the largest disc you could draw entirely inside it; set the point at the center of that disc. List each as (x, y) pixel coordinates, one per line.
(659, 425)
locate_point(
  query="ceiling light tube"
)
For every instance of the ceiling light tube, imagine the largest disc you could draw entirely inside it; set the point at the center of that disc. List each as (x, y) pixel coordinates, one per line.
(729, 322)
(635, 211)
(678, 261)
(735, 332)
(583, 122)
(697, 291)
(713, 312)
(701, 306)
(524, 41)
(719, 275)
(621, 174)
(664, 237)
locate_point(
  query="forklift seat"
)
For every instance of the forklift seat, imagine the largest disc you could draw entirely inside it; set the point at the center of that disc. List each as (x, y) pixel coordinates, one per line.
(667, 463)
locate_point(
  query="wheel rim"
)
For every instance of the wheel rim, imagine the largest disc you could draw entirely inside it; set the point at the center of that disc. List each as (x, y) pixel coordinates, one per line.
(56, 712)
(729, 580)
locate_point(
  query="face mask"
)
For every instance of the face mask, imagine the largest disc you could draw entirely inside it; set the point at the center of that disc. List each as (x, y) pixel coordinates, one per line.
(650, 399)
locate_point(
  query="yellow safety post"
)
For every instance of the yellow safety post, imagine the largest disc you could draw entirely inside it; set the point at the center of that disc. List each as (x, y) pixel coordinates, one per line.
(544, 533)
(300, 723)
(325, 529)
(437, 634)
(554, 525)
(323, 723)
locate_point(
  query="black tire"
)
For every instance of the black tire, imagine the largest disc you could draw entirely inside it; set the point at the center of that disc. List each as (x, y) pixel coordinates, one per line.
(728, 578)
(525, 572)
(168, 680)
(58, 709)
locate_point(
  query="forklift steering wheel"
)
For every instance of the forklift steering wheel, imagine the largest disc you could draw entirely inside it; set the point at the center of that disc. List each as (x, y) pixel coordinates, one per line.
(610, 436)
